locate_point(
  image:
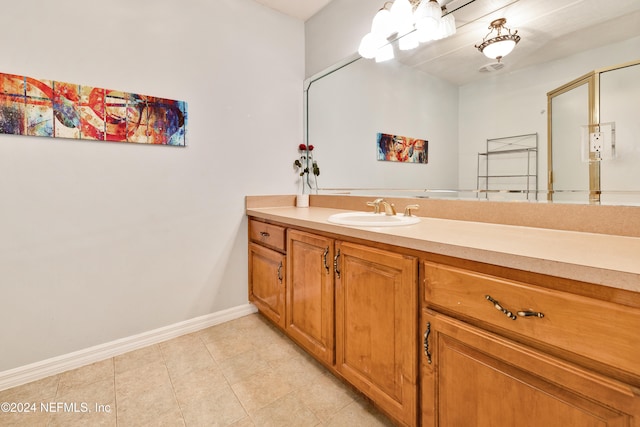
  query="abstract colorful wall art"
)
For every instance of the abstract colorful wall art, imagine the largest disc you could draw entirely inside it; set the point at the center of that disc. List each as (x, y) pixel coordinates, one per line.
(395, 148)
(54, 109)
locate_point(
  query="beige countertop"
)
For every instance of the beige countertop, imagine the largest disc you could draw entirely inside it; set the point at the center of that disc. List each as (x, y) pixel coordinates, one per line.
(603, 259)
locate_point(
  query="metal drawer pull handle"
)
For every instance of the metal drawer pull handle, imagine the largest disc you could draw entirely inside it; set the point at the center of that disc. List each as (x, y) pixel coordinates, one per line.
(335, 263)
(280, 272)
(426, 343)
(324, 259)
(497, 305)
(264, 234)
(530, 314)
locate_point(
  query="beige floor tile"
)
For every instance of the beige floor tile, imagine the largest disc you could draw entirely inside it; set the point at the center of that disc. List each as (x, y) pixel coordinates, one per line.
(214, 333)
(200, 384)
(86, 404)
(221, 408)
(36, 391)
(145, 396)
(148, 406)
(245, 422)
(228, 346)
(300, 372)
(279, 349)
(185, 354)
(136, 381)
(243, 373)
(33, 394)
(206, 399)
(244, 365)
(261, 389)
(359, 414)
(284, 412)
(326, 396)
(137, 358)
(89, 374)
(21, 419)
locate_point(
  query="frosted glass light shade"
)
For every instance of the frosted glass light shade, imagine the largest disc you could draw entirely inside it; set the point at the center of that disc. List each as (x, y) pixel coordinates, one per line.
(367, 48)
(401, 15)
(409, 40)
(384, 53)
(370, 44)
(499, 49)
(382, 23)
(501, 44)
(448, 25)
(428, 17)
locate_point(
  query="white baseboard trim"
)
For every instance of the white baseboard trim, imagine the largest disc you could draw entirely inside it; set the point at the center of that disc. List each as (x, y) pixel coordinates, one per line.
(55, 365)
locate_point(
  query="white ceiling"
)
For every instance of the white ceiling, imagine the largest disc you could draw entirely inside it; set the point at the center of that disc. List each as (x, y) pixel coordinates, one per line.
(550, 29)
(300, 9)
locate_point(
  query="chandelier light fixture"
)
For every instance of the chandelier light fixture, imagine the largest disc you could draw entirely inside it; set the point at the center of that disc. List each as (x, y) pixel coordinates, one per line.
(411, 22)
(501, 44)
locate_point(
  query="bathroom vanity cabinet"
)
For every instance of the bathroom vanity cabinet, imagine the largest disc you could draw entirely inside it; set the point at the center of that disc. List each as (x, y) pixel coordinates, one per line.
(504, 352)
(310, 294)
(350, 306)
(439, 340)
(376, 349)
(267, 267)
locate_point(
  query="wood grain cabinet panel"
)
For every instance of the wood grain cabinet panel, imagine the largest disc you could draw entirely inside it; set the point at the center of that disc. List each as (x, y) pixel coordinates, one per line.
(267, 283)
(471, 377)
(269, 235)
(310, 293)
(376, 315)
(604, 332)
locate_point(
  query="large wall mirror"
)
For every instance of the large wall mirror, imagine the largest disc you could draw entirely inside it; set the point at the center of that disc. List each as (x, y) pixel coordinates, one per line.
(594, 142)
(464, 110)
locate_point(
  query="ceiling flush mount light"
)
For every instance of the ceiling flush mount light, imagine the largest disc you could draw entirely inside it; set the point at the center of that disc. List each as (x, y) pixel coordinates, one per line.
(502, 44)
(411, 22)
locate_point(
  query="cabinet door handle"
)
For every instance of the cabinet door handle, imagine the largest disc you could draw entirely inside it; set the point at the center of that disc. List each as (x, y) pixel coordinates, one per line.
(527, 313)
(324, 259)
(264, 234)
(427, 352)
(335, 263)
(497, 305)
(280, 272)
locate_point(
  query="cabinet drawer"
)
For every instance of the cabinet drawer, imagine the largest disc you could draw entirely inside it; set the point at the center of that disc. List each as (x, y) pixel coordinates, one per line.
(585, 327)
(267, 234)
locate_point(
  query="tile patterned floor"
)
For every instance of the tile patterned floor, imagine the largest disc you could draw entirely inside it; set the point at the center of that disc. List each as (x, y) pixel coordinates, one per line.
(241, 373)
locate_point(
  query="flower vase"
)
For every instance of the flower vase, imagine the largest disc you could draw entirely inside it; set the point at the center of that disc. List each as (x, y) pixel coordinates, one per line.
(302, 200)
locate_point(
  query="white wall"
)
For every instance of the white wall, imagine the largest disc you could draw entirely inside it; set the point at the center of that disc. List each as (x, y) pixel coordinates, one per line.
(100, 241)
(334, 33)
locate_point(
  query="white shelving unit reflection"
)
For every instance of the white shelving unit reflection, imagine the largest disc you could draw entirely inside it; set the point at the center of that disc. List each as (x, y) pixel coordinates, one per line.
(508, 169)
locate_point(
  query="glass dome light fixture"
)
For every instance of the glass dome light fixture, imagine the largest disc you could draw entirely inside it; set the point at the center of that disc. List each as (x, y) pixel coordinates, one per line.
(410, 22)
(428, 18)
(502, 44)
(373, 42)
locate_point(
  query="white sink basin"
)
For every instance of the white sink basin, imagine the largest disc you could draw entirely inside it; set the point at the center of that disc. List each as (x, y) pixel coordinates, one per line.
(370, 219)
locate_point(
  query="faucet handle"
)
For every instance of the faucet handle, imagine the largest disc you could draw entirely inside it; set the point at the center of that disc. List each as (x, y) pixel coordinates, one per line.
(408, 208)
(376, 205)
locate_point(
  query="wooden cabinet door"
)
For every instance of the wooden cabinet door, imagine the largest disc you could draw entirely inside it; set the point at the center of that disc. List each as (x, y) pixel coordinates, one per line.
(476, 378)
(376, 326)
(310, 293)
(267, 282)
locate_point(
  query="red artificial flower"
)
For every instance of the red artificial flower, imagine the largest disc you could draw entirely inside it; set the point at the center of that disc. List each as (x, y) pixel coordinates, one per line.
(302, 147)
